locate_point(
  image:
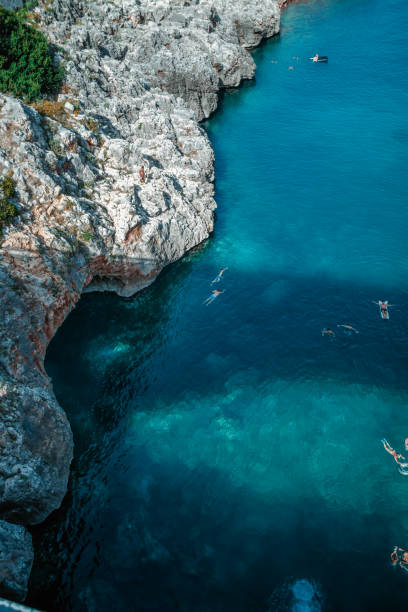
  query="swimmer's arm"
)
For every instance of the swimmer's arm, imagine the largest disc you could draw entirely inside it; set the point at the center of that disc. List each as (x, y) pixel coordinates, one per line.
(388, 447)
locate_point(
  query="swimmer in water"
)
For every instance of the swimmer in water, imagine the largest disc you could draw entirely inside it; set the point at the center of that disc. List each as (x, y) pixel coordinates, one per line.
(349, 328)
(219, 276)
(326, 331)
(399, 557)
(315, 58)
(406, 444)
(392, 452)
(383, 305)
(212, 297)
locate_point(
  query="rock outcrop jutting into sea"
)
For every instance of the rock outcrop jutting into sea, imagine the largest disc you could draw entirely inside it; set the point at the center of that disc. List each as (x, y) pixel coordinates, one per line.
(114, 180)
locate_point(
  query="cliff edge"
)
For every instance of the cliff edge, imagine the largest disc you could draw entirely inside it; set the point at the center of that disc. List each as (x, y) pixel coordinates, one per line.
(113, 181)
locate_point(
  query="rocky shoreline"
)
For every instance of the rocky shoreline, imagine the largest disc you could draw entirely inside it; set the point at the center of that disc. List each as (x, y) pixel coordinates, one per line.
(114, 180)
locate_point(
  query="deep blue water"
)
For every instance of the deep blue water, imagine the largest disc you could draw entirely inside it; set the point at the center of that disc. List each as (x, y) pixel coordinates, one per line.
(228, 458)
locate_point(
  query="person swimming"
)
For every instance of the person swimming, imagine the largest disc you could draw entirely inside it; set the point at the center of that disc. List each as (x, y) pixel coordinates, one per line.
(399, 556)
(392, 452)
(349, 328)
(326, 331)
(212, 297)
(406, 444)
(384, 305)
(219, 276)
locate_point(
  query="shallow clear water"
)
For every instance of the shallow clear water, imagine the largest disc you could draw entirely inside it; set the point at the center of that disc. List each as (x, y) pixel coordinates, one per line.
(229, 457)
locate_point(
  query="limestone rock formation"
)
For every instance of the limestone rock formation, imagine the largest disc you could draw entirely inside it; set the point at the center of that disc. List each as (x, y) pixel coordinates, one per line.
(114, 180)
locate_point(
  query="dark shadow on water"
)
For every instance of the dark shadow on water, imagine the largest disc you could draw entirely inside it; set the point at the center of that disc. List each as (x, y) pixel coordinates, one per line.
(162, 547)
(86, 381)
(78, 567)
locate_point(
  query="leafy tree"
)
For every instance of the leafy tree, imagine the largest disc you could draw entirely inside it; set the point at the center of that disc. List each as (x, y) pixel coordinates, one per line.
(27, 68)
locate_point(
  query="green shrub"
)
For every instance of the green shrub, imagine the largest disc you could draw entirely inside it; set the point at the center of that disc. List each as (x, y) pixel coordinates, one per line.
(7, 209)
(29, 5)
(56, 148)
(27, 67)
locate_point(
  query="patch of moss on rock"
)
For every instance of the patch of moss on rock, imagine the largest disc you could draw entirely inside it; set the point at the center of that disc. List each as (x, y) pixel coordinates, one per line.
(7, 209)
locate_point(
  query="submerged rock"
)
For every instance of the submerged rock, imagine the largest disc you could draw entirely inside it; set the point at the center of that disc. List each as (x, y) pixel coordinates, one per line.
(114, 180)
(16, 559)
(299, 596)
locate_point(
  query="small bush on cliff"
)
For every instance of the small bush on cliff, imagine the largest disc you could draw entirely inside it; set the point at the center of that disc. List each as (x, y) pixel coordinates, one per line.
(7, 209)
(27, 68)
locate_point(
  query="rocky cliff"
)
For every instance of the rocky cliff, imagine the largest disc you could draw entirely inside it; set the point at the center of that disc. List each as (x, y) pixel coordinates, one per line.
(114, 180)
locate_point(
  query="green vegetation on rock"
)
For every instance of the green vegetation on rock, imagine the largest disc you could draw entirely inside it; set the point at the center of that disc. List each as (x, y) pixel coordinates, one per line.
(7, 209)
(27, 68)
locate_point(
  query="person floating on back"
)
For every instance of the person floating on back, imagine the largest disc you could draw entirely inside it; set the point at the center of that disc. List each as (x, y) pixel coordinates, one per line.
(399, 556)
(384, 305)
(212, 297)
(326, 331)
(319, 58)
(392, 452)
(349, 328)
(219, 276)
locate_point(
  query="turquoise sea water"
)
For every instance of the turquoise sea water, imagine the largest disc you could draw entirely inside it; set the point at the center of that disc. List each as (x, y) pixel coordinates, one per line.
(228, 458)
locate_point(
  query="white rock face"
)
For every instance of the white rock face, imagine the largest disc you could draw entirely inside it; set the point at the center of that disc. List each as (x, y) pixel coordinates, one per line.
(190, 48)
(114, 180)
